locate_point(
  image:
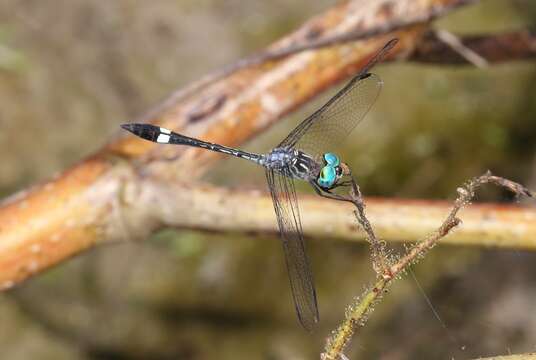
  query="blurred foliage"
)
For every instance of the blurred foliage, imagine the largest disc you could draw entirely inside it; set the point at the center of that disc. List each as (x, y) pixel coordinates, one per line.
(71, 71)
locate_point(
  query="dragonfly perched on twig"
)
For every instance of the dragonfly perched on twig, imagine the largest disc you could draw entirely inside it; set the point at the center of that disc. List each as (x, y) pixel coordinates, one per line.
(304, 155)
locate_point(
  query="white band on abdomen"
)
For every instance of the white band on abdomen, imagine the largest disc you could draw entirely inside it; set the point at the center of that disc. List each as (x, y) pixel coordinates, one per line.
(162, 138)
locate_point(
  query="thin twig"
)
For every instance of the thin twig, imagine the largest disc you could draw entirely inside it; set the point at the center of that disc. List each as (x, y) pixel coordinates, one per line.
(357, 313)
(529, 356)
(457, 45)
(495, 48)
(380, 261)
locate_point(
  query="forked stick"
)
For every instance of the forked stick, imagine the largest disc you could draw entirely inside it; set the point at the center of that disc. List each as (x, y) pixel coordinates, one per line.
(357, 314)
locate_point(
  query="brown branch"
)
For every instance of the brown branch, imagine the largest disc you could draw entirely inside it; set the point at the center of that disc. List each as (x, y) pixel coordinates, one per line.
(181, 206)
(495, 48)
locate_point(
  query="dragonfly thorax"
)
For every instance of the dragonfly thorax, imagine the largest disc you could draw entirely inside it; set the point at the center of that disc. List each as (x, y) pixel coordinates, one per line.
(293, 163)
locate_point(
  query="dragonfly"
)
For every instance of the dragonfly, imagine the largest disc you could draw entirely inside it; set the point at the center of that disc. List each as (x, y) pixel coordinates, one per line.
(305, 154)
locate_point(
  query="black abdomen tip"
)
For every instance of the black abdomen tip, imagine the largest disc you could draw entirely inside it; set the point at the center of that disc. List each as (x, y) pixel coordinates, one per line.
(145, 131)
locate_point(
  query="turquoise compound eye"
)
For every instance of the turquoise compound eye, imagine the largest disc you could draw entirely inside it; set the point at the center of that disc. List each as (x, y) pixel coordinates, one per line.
(327, 177)
(332, 159)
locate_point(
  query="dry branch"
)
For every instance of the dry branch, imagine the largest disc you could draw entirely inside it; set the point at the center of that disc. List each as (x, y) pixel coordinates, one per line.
(358, 313)
(182, 206)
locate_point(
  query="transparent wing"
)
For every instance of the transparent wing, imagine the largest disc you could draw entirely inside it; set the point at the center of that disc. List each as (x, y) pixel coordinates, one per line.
(299, 271)
(330, 124)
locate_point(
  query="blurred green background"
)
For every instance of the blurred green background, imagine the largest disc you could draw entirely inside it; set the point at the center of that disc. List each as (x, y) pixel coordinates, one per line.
(71, 71)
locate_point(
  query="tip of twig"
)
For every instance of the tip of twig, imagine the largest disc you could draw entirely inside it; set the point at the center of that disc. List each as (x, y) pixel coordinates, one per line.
(391, 43)
(516, 188)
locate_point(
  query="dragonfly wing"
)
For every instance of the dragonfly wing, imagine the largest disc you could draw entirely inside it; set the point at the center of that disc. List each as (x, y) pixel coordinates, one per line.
(330, 124)
(299, 270)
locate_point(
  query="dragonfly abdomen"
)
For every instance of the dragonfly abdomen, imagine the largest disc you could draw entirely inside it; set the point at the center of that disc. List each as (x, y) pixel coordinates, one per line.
(164, 136)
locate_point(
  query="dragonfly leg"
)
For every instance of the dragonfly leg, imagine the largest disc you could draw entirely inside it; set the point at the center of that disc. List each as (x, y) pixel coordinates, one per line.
(328, 194)
(344, 183)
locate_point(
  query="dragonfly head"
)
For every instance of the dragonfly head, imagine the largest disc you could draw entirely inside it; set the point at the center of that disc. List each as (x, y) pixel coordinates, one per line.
(331, 172)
